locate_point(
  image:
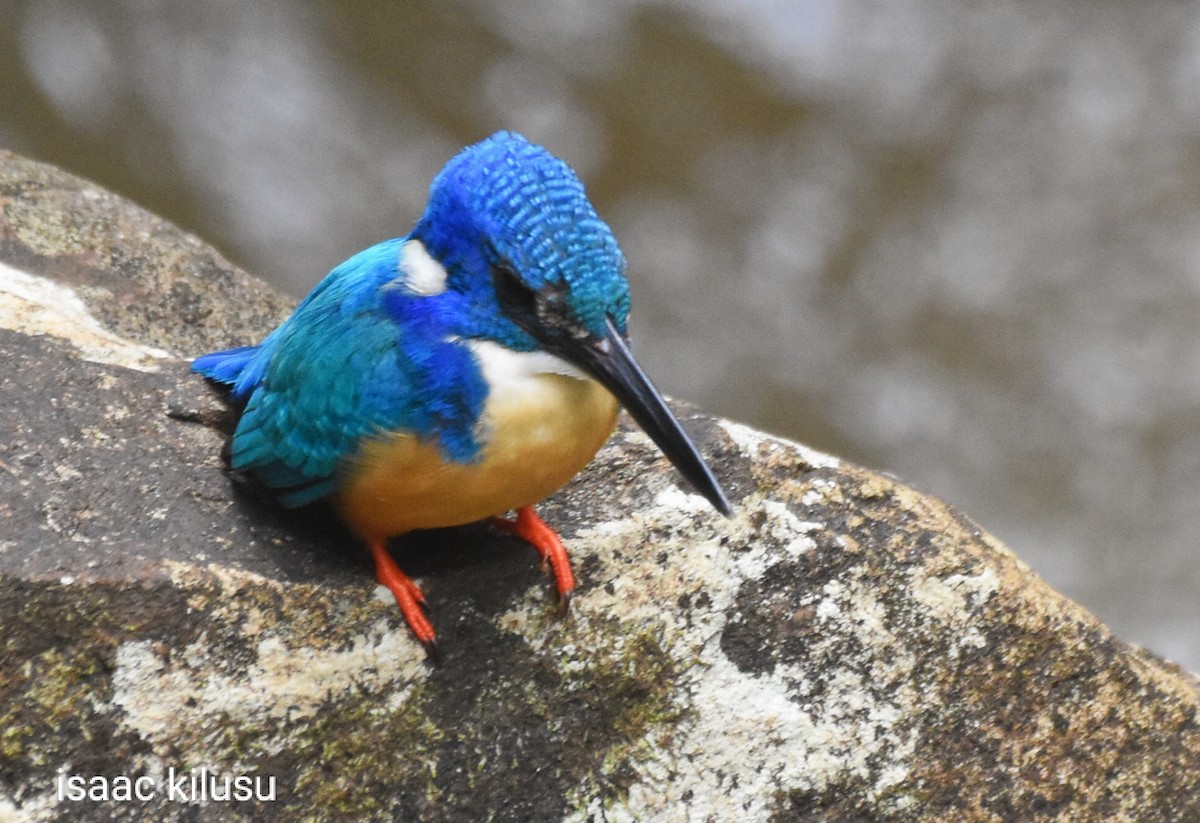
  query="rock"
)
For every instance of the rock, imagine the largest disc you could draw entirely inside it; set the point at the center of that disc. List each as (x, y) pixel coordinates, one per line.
(844, 648)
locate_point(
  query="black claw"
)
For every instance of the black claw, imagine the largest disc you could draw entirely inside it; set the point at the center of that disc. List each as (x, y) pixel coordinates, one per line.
(432, 653)
(564, 603)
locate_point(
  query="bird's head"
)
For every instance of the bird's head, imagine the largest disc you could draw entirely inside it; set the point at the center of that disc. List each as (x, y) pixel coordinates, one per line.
(537, 269)
(517, 235)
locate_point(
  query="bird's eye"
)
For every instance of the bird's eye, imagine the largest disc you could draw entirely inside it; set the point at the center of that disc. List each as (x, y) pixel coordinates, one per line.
(553, 307)
(517, 300)
(546, 310)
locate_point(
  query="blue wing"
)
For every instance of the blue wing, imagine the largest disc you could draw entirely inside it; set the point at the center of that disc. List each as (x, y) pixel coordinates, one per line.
(360, 356)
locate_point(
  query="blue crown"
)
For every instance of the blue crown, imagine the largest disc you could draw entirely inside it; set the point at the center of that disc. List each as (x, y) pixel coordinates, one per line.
(506, 201)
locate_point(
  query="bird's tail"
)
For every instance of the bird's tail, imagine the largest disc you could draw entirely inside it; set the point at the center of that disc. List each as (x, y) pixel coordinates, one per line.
(240, 368)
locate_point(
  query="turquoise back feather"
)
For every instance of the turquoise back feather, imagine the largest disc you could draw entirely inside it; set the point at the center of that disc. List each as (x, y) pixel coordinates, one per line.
(342, 368)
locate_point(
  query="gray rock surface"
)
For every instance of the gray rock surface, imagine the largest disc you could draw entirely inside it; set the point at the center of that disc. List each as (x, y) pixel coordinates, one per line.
(844, 648)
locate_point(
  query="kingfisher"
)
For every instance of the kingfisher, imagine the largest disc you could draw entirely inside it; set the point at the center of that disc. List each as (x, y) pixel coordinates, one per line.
(459, 373)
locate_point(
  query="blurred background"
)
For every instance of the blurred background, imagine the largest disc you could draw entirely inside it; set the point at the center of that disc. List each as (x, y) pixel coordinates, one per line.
(958, 242)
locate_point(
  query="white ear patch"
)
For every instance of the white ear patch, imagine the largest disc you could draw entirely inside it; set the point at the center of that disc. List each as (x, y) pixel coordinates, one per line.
(422, 274)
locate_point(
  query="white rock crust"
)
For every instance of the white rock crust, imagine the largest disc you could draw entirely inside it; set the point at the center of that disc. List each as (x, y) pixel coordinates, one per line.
(159, 693)
(34, 305)
(745, 738)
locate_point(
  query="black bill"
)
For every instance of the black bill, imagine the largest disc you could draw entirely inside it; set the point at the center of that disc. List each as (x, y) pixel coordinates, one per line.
(611, 363)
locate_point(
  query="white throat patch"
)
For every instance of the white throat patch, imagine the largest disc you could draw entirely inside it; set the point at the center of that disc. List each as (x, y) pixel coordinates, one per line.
(422, 274)
(505, 368)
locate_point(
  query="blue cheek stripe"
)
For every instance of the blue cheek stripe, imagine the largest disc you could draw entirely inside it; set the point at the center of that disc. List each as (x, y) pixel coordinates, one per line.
(448, 392)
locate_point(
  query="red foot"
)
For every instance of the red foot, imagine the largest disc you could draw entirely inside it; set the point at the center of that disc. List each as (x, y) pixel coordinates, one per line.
(408, 596)
(533, 530)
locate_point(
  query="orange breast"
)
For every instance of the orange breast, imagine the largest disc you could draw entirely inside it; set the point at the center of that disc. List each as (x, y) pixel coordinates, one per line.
(539, 428)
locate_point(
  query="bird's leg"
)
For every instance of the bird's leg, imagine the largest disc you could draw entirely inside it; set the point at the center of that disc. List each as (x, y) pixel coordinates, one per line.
(408, 596)
(533, 530)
